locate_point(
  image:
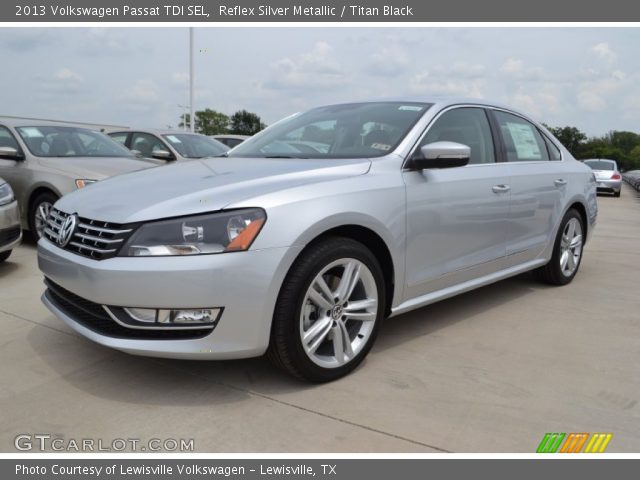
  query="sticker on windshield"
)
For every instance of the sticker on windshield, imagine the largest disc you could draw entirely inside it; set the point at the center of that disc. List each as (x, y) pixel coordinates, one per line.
(524, 141)
(31, 132)
(381, 146)
(173, 139)
(410, 108)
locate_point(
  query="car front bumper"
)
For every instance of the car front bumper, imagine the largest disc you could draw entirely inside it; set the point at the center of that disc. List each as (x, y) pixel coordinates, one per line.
(10, 230)
(244, 284)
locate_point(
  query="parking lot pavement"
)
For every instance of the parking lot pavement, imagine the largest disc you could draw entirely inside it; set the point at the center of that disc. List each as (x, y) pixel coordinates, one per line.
(489, 371)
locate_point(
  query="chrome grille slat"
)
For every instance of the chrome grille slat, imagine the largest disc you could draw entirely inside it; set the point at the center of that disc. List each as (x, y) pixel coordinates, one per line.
(90, 248)
(102, 229)
(92, 238)
(98, 239)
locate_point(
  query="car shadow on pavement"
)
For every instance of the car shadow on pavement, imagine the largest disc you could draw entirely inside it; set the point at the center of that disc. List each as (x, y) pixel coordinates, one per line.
(110, 374)
(7, 267)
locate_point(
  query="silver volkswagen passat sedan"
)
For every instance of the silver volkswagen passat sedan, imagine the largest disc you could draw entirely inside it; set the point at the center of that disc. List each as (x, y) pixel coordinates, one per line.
(314, 231)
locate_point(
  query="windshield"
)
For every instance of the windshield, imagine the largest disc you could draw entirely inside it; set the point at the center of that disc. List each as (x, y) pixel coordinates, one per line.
(600, 165)
(195, 146)
(70, 142)
(356, 130)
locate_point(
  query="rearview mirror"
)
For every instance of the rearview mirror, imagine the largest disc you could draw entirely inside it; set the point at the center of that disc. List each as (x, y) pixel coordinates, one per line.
(442, 155)
(162, 154)
(10, 152)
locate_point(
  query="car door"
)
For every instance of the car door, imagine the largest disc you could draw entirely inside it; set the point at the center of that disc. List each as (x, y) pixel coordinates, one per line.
(456, 217)
(538, 186)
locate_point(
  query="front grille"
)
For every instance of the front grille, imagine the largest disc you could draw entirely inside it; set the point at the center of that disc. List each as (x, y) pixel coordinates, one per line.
(9, 235)
(94, 317)
(92, 238)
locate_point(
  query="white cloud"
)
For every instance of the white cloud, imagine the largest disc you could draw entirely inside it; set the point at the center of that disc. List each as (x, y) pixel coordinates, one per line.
(143, 94)
(389, 61)
(516, 68)
(603, 51)
(442, 84)
(63, 82)
(316, 69)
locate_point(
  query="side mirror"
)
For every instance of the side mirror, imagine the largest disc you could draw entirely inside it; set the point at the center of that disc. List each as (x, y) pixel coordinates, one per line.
(162, 155)
(10, 152)
(442, 155)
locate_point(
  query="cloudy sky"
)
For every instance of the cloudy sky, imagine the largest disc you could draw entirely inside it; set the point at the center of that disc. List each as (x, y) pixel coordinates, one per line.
(586, 77)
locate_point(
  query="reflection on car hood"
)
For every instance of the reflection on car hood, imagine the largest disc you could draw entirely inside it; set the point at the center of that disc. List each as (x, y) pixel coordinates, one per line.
(94, 168)
(200, 186)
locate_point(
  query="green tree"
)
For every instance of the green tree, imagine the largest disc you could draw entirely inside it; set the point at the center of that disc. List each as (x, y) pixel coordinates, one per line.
(570, 137)
(245, 123)
(208, 122)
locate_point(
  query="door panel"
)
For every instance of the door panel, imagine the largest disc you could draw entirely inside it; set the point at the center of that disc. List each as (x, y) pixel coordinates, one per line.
(456, 217)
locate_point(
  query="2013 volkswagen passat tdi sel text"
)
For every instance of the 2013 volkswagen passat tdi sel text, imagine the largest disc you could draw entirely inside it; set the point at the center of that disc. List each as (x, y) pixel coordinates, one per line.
(312, 232)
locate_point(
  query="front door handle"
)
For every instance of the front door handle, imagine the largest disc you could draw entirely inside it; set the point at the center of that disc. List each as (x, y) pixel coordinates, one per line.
(500, 188)
(560, 182)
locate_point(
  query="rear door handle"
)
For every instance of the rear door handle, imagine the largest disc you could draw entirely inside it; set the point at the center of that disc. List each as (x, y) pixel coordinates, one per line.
(500, 188)
(560, 182)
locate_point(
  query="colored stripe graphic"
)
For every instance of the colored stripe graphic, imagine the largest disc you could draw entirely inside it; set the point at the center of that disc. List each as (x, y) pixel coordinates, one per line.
(574, 443)
(550, 442)
(598, 443)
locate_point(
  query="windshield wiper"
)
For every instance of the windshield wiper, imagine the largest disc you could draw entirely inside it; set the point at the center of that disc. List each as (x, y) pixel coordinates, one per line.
(281, 156)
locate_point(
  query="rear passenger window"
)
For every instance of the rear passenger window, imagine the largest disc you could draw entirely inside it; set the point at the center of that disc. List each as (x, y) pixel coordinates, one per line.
(468, 126)
(522, 140)
(554, 152)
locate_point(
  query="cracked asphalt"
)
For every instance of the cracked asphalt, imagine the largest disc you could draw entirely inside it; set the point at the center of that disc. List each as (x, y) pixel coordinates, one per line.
(489, 371)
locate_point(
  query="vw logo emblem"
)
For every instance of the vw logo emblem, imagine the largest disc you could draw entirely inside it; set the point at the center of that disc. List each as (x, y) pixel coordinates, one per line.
(67, 229)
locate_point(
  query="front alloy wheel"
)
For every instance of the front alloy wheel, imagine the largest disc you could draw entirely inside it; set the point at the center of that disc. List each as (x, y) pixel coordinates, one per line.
(329, 310)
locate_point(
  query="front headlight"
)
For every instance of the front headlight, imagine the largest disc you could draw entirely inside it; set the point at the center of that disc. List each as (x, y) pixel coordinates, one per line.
(6, 194)
(230, 231)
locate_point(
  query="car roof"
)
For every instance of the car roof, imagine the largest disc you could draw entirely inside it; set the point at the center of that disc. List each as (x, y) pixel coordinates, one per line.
(34, 122)
(155, 131)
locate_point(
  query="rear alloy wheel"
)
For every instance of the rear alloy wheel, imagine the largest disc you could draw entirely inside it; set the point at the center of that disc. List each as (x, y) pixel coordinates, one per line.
(567, 251)
(329, 311)
(39, 212)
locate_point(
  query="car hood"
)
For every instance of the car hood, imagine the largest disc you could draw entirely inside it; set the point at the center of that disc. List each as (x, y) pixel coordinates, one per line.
(198, 186)
(94, 168)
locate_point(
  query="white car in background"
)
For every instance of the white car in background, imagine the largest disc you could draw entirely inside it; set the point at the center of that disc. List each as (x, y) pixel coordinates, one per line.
(608, 176)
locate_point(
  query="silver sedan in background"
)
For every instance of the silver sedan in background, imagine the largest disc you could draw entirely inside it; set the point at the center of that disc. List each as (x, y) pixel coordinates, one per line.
(10, 231)
(169, 145)
(43, 161)
(315, 230)
(608, 178)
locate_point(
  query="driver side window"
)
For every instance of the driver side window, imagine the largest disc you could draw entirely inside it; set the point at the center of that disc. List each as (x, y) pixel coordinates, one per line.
(468, 126)
(146, 144)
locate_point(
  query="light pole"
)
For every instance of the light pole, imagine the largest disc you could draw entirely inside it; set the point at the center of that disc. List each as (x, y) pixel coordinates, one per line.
(191, 118)
(184, 116)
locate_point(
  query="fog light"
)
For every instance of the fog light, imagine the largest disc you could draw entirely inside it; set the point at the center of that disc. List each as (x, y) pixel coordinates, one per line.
(196, 316)
(146, 315)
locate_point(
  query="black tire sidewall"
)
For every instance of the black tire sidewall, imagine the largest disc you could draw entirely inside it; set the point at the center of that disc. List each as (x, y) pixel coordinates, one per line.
(42, 197)
(555, 259)
(295, 286)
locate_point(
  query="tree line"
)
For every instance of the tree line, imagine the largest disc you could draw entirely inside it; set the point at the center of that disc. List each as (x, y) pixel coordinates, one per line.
(211, 122)
(623, 147)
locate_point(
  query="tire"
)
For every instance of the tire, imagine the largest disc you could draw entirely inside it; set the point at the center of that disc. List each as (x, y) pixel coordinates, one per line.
(44, 200)
(616, 194)
(297, 313)
(4, 255)
(561, 270)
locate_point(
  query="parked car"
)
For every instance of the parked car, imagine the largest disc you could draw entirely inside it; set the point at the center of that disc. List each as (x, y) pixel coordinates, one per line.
(632, 177)
(303, 254)
(43, 161)
(10, 231)
(230, 140)
(169, 145)
(608, 176)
